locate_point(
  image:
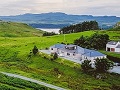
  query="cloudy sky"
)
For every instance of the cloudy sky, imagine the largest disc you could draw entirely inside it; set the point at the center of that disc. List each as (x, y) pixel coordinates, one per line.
(79, 7)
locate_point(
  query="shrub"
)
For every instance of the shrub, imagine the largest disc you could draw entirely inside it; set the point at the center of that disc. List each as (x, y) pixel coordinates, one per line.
(35, 50)
(49, 34)
(55, 56)
(30, 54)
(115, 87)
(46, 48)
(56, 69)
(102, 65)
(86, 65)
(6, 87)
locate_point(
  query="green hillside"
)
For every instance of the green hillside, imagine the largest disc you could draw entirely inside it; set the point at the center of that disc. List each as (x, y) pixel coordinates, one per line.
(14, 58)
(13, 29)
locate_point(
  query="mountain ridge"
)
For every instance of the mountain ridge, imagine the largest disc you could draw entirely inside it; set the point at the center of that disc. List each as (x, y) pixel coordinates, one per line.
(61, 18)
(61, 14)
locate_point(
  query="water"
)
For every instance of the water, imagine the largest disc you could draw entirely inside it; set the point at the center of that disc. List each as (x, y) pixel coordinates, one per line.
(50, 30)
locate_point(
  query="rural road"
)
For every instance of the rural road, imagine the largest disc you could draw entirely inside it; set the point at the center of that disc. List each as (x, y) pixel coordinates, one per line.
(33, 80)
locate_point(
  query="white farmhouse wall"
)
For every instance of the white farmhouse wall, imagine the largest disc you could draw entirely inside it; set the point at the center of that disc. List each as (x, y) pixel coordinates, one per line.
(61, 53)
(77, 56)
(100, 57)
(117, 49)
(65, 53)
(113, 46)
(53, 50)
(71, 54)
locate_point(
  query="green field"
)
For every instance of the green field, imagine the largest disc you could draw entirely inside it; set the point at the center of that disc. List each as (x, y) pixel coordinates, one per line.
(14, 58)
(114, 35)
(10, 83)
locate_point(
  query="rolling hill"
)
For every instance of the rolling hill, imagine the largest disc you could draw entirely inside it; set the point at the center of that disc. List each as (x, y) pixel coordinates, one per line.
(14, 29)
(14, 59)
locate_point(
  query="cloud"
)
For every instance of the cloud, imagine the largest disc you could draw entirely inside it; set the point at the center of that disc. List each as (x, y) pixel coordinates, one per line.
(94, 7)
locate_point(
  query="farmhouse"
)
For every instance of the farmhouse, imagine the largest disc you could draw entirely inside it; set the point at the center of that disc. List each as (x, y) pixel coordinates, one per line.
(76, 52)
(113, 46)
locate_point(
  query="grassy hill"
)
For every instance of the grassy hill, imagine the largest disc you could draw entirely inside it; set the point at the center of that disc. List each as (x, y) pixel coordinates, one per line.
(14, 58)
(13, 29)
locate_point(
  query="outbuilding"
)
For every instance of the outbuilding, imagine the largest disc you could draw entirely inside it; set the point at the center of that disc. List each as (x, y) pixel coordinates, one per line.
(113, 46)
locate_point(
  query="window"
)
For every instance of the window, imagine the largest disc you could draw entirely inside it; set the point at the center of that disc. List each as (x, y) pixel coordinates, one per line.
(112, 49)
(68, 54)
(66, 47)
(71, 48)
(108, 49)
(75, 47)
(85, 57)
(73, 54)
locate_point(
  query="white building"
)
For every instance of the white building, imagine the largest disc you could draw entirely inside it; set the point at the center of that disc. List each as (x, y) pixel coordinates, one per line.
(76, 52)
(113, 46)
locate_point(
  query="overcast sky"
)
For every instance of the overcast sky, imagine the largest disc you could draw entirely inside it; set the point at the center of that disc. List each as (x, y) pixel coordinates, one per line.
(79, 7)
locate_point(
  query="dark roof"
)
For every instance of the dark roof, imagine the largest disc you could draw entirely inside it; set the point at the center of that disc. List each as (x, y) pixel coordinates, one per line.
(112, 43)
(118, 46)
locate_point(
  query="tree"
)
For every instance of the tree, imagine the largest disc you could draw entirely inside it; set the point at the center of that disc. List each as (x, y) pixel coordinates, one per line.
(102, 65)
(86, 65)
(35, 50)
(49, 33)
(80, 41)
(80, 27)
(95, 41)
(55, 56)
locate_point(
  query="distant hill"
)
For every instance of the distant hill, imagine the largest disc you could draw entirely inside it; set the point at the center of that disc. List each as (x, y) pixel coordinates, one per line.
(14, 29)
(116, 27)
(58, 19)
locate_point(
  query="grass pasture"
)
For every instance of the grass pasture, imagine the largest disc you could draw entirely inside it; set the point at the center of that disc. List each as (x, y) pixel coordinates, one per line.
(114, 35)
(14, 58)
